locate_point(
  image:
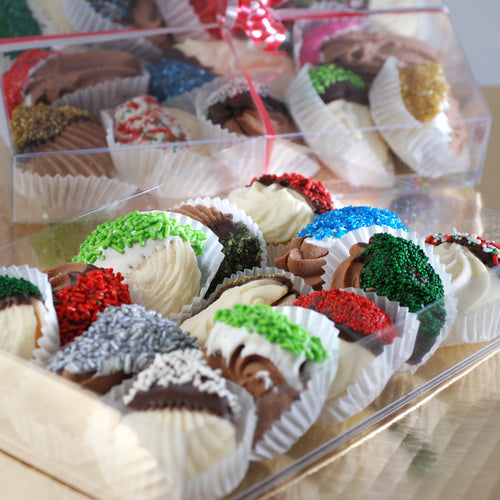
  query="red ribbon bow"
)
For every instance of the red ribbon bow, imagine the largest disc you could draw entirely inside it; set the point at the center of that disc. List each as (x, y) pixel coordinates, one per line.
(255, 18)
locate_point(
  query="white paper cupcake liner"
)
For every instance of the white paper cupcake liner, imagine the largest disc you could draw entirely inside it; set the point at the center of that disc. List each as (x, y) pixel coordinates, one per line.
(105, 94)
(343, 150)
(71, 193)
(285, 157)
(51, 416)
(372, 379)
(83, 18)
(423, 147)
(303, 412)
(146, 165)
(340, 251)
(133, 472)
(48, 343)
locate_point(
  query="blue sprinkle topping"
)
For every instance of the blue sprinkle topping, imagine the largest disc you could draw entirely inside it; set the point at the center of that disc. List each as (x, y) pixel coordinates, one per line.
(169, 78)
(340, 221)
(114, 10)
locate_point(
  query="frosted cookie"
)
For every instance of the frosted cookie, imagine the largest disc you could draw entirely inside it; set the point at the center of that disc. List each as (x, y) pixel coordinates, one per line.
(251, 287)
(191, 428)
(419, 117)
(334, 99)
(122, 341)
(282, 205)
(467, 256)
(305, 255)
(259, 348)
(156, 255)
(242, 242)
(357, 318)
(400, 270)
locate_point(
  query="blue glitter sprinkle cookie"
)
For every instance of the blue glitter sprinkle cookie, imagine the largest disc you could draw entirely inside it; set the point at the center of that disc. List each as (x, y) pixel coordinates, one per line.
(170, 78)
(307, 254)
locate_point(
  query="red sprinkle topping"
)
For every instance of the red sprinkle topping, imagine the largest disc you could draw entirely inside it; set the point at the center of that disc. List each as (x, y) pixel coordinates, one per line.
(314, 191)
(355, 311)
(16, 78)
(79, 304)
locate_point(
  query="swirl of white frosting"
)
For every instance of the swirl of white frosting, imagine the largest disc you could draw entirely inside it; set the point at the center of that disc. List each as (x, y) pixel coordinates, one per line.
(279, 212)
(261, 291)
(477, 288)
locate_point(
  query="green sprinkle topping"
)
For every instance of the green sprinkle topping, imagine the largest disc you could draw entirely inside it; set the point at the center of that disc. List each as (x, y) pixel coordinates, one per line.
(18, 286)
(400, 270)
(276, 328)
(324, 76)
(136, 228)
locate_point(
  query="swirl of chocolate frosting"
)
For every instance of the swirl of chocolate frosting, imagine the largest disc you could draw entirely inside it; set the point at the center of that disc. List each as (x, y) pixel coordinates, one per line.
(67, 72)
(247, 372)
(304, 259)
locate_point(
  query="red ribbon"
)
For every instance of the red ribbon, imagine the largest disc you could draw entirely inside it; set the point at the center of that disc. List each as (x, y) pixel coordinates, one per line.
(256, 19)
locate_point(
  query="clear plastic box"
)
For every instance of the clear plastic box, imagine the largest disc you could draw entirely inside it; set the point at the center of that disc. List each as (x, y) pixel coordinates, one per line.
(332, 149)
(71, 434)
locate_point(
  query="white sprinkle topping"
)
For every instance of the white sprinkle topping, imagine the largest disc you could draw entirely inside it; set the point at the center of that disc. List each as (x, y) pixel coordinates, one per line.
(182, 367)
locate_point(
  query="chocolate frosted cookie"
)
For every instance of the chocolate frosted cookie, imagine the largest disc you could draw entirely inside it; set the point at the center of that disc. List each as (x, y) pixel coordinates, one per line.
(259, 348)
(241, 248)
(44, 129)
(67, 72)
(238, 113)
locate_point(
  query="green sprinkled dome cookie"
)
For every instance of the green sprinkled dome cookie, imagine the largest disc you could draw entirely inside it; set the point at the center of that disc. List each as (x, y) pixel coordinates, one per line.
(156, 254)
(272, 356)
(399, 269)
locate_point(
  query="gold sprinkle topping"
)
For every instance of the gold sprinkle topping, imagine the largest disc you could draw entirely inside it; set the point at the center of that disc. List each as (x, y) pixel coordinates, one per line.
(423, 88)
(34, 124)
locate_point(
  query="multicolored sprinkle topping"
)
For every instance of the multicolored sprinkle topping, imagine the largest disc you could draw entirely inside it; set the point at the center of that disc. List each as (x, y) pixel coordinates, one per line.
(276, 328)
(142, 120)
(134, 229)
(336, 223)
(314, 191)
(471, 240)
